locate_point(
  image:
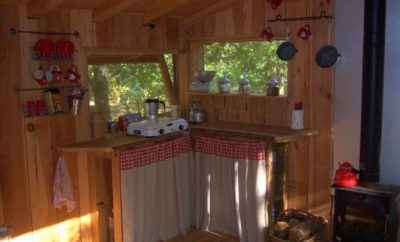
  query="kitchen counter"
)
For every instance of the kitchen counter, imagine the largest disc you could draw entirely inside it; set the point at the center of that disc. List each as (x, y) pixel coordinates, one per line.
(122, 142)
(275, 134)
(117, 143)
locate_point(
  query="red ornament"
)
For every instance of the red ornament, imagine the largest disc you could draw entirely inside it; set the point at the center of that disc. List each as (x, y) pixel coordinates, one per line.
(267, 34)
(304, 32)
(346, 175)
(73, 75)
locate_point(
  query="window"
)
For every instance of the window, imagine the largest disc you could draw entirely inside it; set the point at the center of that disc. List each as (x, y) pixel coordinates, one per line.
(256, 58)
(118, 89)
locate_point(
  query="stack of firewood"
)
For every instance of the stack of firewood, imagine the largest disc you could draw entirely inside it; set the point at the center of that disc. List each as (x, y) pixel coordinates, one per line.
(297, 226)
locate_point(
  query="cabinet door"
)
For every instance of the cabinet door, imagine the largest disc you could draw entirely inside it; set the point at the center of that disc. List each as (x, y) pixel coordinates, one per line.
(42, 136)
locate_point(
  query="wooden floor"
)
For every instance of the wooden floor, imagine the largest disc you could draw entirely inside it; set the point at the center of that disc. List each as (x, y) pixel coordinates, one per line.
(202, 236)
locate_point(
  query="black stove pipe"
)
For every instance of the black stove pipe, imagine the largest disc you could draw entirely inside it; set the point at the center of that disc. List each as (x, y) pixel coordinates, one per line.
(372, 88)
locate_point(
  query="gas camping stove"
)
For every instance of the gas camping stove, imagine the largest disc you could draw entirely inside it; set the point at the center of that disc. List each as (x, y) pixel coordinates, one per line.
(154, 128)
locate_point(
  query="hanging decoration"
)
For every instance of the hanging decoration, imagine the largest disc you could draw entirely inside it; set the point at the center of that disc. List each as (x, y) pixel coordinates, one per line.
(267, 33)
(304, 32)
(275, 3)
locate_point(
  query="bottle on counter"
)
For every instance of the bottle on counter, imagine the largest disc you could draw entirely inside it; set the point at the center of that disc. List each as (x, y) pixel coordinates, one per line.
(244, 85)
(224, 84)
(298, 116)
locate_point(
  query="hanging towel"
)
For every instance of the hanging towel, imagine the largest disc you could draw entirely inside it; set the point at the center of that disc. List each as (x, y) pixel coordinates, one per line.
(62, 188)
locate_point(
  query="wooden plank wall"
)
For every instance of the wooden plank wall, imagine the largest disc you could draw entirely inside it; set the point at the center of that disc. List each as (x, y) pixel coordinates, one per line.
(309, 167)
(24, 163)
(13, 175)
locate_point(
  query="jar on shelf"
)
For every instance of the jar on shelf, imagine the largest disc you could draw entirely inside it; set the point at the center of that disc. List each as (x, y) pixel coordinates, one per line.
(244, 85)
(224, 84)
(272, 87)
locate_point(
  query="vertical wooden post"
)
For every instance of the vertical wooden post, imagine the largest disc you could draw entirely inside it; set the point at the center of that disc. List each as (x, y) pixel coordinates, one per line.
(169, 86)
(117, 203)
(84, 197)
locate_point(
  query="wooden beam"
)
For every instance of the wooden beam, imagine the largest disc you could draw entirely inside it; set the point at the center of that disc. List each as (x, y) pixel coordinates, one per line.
(169, 86)
(218, 6)
(162, 8)
(109, 11)
(40, 8)
(124, 52)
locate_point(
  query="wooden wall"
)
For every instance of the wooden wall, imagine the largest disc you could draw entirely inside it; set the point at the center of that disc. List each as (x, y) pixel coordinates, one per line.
(13, 175)
(309, 167)
(27, 159)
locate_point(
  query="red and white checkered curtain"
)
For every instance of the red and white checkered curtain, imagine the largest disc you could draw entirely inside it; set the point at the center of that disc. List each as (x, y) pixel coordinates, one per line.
(156, 188)
(231, 187)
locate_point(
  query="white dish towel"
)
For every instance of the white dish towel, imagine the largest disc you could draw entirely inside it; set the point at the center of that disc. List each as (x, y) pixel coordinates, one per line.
(62, 187)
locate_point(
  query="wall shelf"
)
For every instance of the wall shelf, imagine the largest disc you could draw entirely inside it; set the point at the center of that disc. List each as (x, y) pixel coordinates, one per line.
(199, 93)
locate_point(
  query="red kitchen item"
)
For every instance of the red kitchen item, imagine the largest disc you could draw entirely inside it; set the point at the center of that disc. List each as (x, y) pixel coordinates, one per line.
(40, 76)
(65, 49)
(44, 48)
(57, 73)
(346, 175)
(304, 32)
(267, 34)
(73, 75)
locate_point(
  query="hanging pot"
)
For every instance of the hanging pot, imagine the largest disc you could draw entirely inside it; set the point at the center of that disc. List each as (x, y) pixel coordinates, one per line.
(286, 51)
(327, 56)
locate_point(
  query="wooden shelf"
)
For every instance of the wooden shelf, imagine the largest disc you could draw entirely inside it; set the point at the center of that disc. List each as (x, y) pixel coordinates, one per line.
(275, 134)
(216, 94)
(35, 89)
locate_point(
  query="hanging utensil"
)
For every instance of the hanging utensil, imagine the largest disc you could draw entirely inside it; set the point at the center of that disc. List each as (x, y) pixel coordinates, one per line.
(327, 56)
(286, 51)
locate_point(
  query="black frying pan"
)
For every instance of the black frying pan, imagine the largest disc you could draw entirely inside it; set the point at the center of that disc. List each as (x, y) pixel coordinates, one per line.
(327, 56)
(286, 51)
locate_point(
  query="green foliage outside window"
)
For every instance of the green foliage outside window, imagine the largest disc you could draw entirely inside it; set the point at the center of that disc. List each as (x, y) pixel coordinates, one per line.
(257, 58)
(118, 89)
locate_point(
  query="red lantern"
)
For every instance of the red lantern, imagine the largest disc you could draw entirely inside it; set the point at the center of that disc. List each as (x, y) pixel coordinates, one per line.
(346, 175)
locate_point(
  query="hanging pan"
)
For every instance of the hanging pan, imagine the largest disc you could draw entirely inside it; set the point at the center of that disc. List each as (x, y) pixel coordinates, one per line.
(327, 56)
(286, 51)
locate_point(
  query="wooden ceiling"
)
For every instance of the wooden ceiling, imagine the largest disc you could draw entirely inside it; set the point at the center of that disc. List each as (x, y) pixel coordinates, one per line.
(105, 9)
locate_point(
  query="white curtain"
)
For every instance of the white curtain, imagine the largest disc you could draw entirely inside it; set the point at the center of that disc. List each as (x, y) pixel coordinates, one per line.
(156, 202)
(231, 188)
(222, 187)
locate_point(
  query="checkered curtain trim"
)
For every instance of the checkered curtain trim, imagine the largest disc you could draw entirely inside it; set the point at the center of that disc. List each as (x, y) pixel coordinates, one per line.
(236, 149)
(147, 155)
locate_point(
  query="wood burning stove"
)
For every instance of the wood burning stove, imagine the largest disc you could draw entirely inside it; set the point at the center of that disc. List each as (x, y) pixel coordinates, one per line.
(365, 213)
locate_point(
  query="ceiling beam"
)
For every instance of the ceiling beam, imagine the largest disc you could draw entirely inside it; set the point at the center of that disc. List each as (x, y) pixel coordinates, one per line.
(40, 8)
(162, 8)
(109, 11)
(218, 6)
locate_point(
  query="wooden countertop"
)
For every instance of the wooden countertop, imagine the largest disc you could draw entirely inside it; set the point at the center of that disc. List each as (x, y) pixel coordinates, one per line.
(276, 134)
(116, 143)
(123, 142)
